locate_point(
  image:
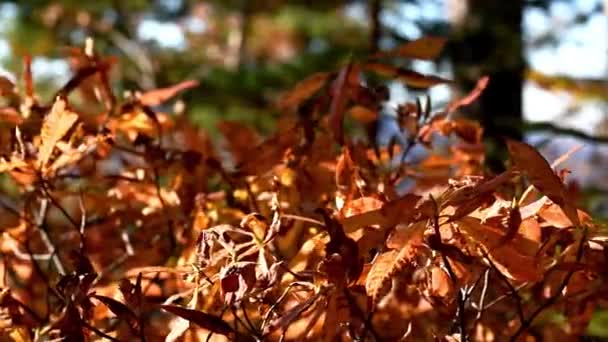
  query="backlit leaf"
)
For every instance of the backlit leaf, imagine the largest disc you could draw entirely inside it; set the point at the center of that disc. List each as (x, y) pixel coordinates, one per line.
(303, 90)
(424, 48)
(540, 174)
(55, 126)
(204, 320)
(159, 96)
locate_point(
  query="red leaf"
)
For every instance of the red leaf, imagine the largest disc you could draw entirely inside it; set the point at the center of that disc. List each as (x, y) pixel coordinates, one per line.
(158, 96)
(205, 320)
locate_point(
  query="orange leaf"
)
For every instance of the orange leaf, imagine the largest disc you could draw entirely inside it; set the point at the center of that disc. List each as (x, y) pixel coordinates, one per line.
(514, 258)
(409, 77)
(239, 138)
(10, 115)
(158, 96)
(303, 90)
(397, 211)
(387, 264)
(205, 320)
(55, 126)
(540, 174)
(265, 156)
(363, 114)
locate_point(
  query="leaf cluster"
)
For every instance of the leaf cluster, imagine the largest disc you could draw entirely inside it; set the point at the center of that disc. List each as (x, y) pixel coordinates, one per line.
(123, 222)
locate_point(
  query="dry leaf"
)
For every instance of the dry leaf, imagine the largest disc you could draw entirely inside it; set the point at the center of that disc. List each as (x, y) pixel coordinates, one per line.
(409, 77)
(55, 126)
(540, 174)
(423, 48)
(159, 96)
(303, 90)
(515, 259)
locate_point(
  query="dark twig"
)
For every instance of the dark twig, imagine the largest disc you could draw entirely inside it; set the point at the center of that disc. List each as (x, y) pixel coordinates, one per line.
(453, 278)
(513, 292)
(368, 324)
(554, 129)
(98, 332)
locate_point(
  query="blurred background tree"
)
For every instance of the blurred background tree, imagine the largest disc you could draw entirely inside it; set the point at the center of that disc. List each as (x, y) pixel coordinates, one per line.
(547, 58)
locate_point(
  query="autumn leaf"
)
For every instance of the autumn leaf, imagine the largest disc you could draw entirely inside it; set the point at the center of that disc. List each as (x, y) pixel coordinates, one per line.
(54, 127)
(159, 96)
(387, 264)
(514, 258)
(340, 97)
(409, 77)
(540, 174)
(204, 320)
(269, 153)
(400, 210)
(423, 48)
(121, 311)
(239, 138)
(303, 90)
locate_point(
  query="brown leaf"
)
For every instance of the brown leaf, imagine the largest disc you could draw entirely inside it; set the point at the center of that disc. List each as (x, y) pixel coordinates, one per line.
(409, 77)
(340, 97)
(423, 48)
(7, 86)
(158, 96)
(55, 126)
(377, 282)
(207, 321)
(121, 311)
(363, 114)
(540, 174)
(303, 90)
(265, 156)
(386, 265)
(553, 215)
(10, 115)
(239, 137)
(515, 258)
(397, 211)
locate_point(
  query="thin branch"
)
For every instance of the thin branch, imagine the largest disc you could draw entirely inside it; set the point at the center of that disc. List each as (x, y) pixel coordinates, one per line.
(482, 296)
(554, 129)
(526, 324)
(453, 278)
(98, 332)
(50, 246)
(514, 293)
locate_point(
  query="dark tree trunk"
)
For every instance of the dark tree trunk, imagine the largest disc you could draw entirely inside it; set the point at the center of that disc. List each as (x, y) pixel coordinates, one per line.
(375, 7)
(487, 40)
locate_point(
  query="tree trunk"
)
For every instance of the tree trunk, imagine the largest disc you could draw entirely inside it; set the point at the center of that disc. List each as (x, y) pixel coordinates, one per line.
(487, 40)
